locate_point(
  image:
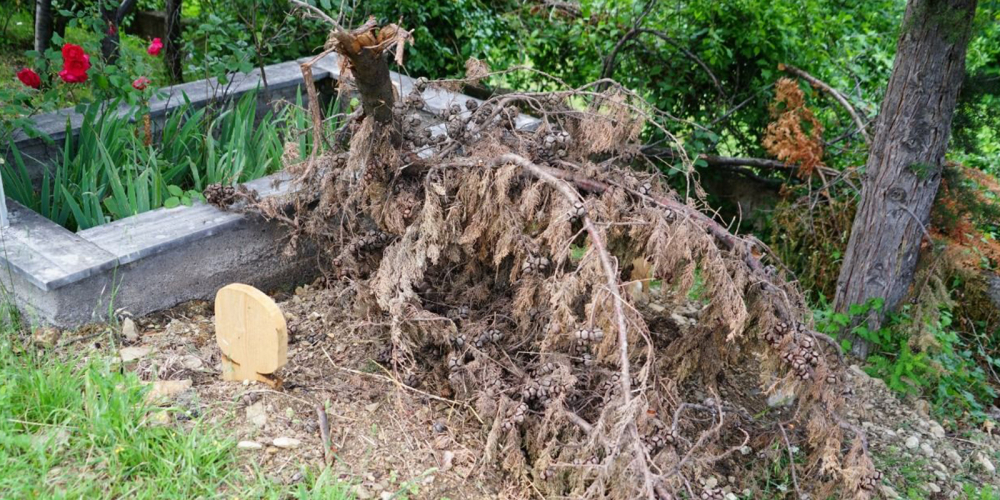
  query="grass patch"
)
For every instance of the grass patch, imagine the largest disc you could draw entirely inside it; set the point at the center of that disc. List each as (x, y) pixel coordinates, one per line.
(79, 427)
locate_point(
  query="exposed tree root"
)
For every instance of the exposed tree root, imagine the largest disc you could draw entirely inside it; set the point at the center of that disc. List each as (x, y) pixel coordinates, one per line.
(490, 260)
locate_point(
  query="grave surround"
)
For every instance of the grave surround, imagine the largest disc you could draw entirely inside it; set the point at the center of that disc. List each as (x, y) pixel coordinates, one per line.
(161, 258)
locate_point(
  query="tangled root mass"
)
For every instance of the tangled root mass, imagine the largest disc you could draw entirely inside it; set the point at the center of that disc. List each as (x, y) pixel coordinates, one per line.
(536, 277)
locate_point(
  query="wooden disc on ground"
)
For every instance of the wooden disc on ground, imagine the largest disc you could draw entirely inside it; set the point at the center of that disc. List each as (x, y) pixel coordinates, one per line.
(251, 333)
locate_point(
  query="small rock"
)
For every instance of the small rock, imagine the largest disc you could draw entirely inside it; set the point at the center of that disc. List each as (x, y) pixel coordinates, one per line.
(385, 495)
(934, 488)
(926, 449)
(249, 445)
(784, 396)
(45, 337)
(923, 408)
(256, 414)
(953, 456)
(888, 491)
(439, 427)
(446, 460)
(657, 308)
(746, 450)
(371, 407)
(286, 442)
(165, 389)
(936, 430)
(159, 419)
(711, 483)
(192, 362)
(361, 493)
(985, 463)
(129, 332)
(129, 354)
(912, 442)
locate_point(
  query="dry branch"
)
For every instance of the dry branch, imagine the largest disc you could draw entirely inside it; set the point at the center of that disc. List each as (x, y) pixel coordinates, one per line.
(839, 97)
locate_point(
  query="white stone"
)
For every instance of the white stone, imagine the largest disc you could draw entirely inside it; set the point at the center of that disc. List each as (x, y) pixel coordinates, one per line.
(985, 463)
(926, 449)
(286, 442)
(256, 414)
(133, 353)
(912, 442)
(936, 430)
(249, 445)
(129, 332)
(166, 389)
(934, 487)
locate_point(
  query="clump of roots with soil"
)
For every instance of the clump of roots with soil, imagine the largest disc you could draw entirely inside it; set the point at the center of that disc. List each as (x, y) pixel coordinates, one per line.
(510, 266)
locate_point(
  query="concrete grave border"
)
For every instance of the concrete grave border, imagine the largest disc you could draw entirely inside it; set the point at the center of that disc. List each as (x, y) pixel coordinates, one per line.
(158, 259)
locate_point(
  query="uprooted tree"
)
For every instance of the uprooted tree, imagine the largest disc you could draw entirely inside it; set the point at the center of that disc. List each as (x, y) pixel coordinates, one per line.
(507, 265)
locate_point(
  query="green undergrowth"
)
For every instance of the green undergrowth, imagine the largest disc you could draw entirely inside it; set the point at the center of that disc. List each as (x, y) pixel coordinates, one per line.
(941, 364)
(110, 172)
(78, 426)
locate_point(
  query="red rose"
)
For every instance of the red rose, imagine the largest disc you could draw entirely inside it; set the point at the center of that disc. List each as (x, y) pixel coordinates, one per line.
(155, 47)
(140, 83)
(29, 78)
(75, 64)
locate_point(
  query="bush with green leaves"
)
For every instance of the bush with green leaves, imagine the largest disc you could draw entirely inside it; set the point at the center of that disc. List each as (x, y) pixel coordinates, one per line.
(946, 372)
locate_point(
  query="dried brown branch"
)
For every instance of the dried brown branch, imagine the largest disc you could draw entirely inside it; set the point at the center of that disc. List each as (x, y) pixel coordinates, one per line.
(836, 94)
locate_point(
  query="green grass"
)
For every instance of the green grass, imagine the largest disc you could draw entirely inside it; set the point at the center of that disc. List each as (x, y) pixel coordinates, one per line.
(79, 427)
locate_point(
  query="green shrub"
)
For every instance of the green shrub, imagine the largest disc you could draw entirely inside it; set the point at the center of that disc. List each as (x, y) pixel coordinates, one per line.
(946, 372)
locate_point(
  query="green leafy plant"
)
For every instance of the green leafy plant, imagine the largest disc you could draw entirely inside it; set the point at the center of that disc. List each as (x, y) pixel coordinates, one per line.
(946, 373)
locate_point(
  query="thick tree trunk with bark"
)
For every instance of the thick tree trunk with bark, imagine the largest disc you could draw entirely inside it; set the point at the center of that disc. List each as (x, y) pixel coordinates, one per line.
(903, 171)
(172, 45)
(43, 25)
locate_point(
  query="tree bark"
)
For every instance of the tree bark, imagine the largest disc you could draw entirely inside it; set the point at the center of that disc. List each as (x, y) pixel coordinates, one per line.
(113, 15)
(904, 165)
(172, 45)
(43, 25)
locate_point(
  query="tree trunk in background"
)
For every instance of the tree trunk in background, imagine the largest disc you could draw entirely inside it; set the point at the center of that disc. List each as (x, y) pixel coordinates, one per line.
(172, 45)
(904, 165)
(43, 25)
(111, 40)
(113, 14)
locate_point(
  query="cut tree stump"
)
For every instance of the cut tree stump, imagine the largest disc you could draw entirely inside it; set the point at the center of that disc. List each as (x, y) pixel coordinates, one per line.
(251, 333)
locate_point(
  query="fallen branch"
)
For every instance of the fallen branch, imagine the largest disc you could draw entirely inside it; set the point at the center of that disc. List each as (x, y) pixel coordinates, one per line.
(324, 433)
(840, 98)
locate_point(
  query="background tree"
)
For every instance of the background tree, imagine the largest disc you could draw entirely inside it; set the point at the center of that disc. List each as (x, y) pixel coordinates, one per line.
(904, 166)
(173, 42)
(43, 25)
(113, 13)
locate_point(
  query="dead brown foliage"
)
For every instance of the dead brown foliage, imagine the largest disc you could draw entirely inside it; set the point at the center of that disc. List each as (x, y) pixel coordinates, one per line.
(492, 261)
(795, 136)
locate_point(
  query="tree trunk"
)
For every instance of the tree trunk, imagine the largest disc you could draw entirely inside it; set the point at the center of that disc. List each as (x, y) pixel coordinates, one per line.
(904, 165)
(172, 45)
(111, 40)
(43, 25)
(113, 14)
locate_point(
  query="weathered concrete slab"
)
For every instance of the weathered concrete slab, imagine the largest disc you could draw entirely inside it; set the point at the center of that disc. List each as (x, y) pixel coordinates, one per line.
(46, 254)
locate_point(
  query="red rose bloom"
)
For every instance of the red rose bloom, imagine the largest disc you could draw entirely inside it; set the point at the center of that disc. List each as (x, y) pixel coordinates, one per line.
(75, 64)
(155, 47)
(140, 83)
(29, 78)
